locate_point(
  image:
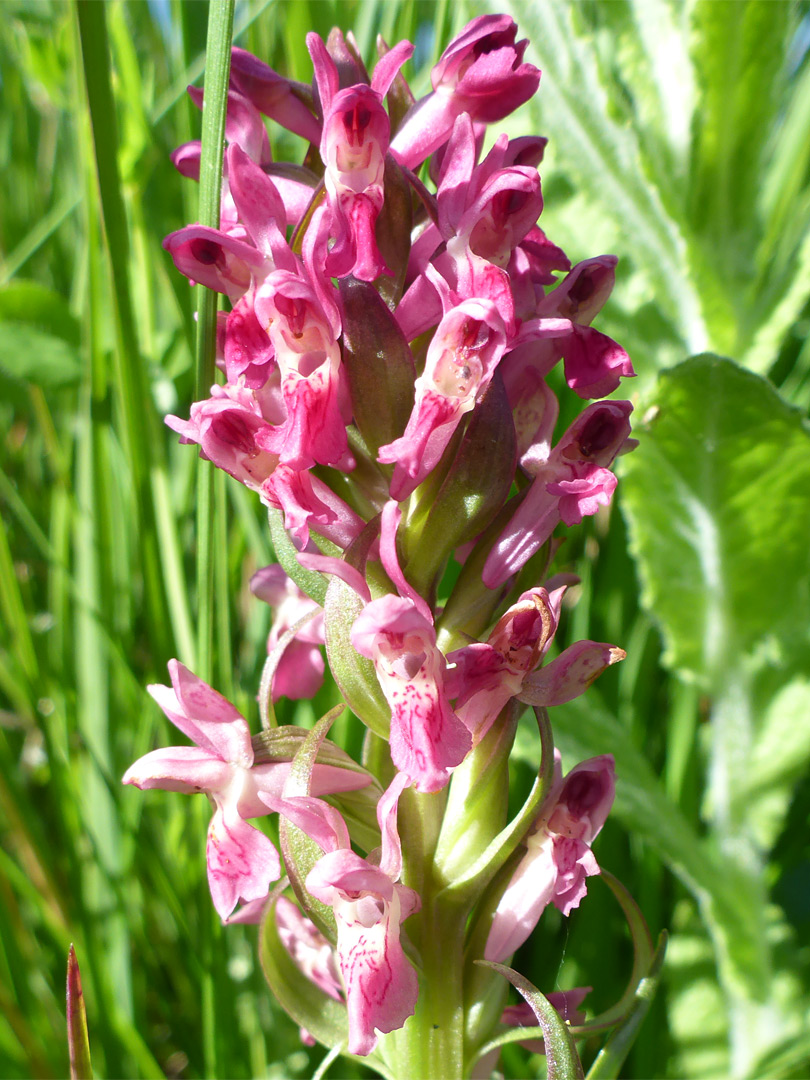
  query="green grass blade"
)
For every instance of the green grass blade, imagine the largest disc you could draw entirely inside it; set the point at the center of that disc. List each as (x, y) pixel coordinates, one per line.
(218, 62)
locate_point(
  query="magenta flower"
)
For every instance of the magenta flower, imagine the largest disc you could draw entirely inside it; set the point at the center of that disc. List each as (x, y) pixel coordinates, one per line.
(427, 738)
(558, 857)
(226, 426)
(299, 673)
(369, 907)
(308, 503)
(571, 481)
(484, 212)
(242, 861)
(486, 675)
(213, 258)
(282, 99)
(461, 360)
(353, 146)
(308, 356)
(481, 72)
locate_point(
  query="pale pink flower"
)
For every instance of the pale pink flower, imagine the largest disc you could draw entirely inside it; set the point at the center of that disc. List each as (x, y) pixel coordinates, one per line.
(558, 858)
(369, 906)
(427, 738)
(299, 673)
(242, 861)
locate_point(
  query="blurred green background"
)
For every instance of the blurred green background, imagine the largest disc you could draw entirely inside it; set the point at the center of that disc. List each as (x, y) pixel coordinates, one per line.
(680, 141)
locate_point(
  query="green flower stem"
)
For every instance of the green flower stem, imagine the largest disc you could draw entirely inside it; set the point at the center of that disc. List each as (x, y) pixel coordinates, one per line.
(431, 1044)
(217, 70)
(218, 60)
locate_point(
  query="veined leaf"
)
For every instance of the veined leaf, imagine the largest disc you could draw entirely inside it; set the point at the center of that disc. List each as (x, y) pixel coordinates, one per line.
(603, 156)
(717, 497)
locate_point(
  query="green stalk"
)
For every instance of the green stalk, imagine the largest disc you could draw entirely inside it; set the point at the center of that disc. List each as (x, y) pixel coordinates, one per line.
(431, 1044)
(137, 419)
(218, 62)
(217, 70)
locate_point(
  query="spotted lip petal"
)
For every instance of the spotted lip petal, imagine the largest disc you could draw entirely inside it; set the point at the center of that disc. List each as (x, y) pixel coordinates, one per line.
(381, 984)
(427, 738)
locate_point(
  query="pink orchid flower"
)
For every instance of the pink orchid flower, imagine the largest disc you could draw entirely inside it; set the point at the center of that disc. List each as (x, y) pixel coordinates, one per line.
(299, 674)
(369, 906)
(571, 480)
(484, 211)
(311, 952)
(461, 360)
(353, 146)
(308, 503)
(308, 356)
(481, 72)
(226, 426)
(242, 861)
(486, 675)
(558, 857)
(427, 738)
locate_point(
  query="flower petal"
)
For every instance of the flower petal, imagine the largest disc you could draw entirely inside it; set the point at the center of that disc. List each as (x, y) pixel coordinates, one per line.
(242, 861)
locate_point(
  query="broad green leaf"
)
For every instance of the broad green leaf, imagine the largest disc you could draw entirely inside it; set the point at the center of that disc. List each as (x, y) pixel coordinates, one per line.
(783, 311)
(738, 56)
(36, 356)
(717, 497)
(602, 155)
(36, 305)
(778, 760)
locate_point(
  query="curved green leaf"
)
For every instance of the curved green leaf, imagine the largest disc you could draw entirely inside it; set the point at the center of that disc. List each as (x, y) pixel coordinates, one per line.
(612, 1055)
(323, 1017)
(310, 582)
(353, 673)
(561, 1053)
